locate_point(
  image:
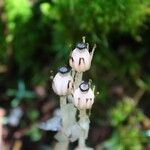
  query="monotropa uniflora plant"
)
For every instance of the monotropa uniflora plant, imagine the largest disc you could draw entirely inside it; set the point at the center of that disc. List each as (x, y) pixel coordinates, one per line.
(75, 95)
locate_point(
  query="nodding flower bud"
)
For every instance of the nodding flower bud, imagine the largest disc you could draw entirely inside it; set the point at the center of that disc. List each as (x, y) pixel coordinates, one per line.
(80, 59)
(62, 82)
(83, 96)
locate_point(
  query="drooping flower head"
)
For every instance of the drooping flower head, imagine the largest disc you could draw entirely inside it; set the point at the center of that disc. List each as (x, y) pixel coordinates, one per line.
(80, 59)
(83, 96)
(63, 81)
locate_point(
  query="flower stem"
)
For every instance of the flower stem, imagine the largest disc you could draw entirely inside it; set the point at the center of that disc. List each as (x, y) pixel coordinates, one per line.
(84, 131)
(63, 143)
(78, 79)
(63, 102)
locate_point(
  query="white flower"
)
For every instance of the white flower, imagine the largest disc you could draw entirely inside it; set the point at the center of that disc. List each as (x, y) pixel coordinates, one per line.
(62, 82)
(80, 59)
(83, 96)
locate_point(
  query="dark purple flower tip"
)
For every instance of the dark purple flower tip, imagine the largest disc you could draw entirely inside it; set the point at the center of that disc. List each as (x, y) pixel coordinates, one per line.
(84, 86)
(81, 46)
(64, 69)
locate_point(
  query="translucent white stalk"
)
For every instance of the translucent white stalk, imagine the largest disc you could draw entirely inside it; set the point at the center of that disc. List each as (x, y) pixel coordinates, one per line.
(63, 102)
(63, 141)
(83, 39)
(82, 136)
(84, 124)
(78, 79)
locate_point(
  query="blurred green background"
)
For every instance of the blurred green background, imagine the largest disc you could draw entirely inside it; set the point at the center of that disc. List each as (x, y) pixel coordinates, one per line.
(36, 37)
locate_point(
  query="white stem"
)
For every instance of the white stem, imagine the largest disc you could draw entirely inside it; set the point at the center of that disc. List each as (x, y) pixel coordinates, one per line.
(87, 46)
(63, 145)
(81, 142)
(63, 102)
(82, 113)
(83, 39)
(82, 137)
(78, 79)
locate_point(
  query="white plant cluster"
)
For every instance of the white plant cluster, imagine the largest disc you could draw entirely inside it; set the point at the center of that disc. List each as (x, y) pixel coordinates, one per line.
(75, 95)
